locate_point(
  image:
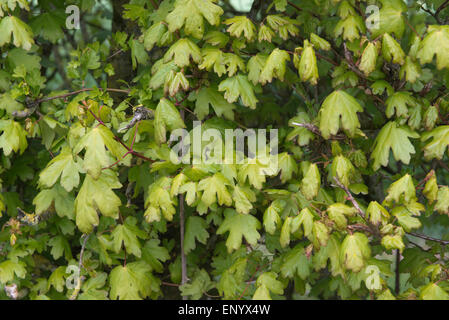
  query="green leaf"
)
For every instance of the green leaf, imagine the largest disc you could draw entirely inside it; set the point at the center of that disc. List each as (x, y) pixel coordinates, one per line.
(287, 166)
(284, 238)
(200, 284)
(391, 50)
(138, 53)
(275, 66)
(127, 235)
(401, 191)
(239, 25)
(243, 198)
(431, 187)
(154, 255)
(239, 226)
(350, 28)
(305, 218)
(214, 188)
(439, 143)
(13, 137)
(210, 96)
(398, 103)
(255, 66)
(159, 200)
(182, 51)
(390, 19)
(105, 200)
(376, 213)
(196, 228)
(9, 268)
(369, 59)
(265, 33)
(394, 137)
(267, 281)
(338, 211)
(295, 262)
(60, 246)
(436, 43)
(132, 282)
(308, 69)
(432, 291)
(393, 242)
(271, 219)
(191, 15)
(166, 117)
(355, 250)
(64, 202)
(343, 170)
(411, 70)
(405, 219)
(63, 166)
(319, 42)
(153, 35)
(96, 157)
(48, 26)
(57, 279)
(12, 26)
(310, 184)
(239, 86)
(442, 205)
(339, 105)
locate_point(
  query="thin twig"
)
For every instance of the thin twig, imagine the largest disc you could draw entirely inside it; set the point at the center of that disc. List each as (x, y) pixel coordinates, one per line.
(62, 96)
(184, 278)
(154, 4)
(315, 130)
(397, 286)
(374, 230)
(422, 236)
(350, 197)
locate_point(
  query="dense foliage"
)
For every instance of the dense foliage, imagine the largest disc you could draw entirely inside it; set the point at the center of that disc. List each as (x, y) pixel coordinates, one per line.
(357, 207)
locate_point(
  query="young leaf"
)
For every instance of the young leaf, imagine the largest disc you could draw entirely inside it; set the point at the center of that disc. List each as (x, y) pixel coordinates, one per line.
(12, 26)
(355, 250)
(182, 51)
(369, 59)
(436, 43)
(239, 86)
(191, 15)
(391, 50)
(308, 69)
(166, 117)
(196, 227)
(339, 105)
(239, 226)
(439, 143)
(95, 142)
(106, 201)
(62, 166)
(13, 137)
(239, 25)
(394, 137)
(310, 184)
(275, 66)
(132, 282)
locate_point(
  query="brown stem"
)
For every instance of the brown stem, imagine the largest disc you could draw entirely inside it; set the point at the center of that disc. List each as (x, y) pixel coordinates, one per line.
(154, 4)
(62, 96)
(422, 236)
(398, 275)
(184, 278)
(314, 129)
(374, 230)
